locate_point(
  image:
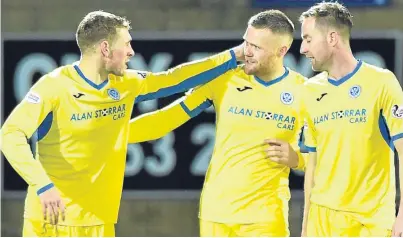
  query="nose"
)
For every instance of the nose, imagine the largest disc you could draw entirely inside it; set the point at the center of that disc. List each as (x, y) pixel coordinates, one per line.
(247, 51)
(303, 50)
(131, 52)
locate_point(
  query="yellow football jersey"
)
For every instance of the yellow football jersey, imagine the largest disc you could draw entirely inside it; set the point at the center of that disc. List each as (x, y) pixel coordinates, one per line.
(82, 133)
(352, 123)
(241, 184)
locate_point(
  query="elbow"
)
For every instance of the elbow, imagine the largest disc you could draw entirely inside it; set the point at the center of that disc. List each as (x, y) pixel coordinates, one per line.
(5, 141)
(11, 137)
(138, 138)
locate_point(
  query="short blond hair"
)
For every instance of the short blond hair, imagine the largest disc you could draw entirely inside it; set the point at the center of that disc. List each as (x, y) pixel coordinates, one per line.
(274, 20)
(331, 14)
(97, 26)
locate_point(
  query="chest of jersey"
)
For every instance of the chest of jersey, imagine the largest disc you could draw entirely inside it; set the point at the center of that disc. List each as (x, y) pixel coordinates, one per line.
(85, 112)
(252, 107)
(351, 107)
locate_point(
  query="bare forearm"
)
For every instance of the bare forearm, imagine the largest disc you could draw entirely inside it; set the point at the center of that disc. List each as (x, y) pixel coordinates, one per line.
(308, 185)
(399, 147)
(401, 184)
(307, 203)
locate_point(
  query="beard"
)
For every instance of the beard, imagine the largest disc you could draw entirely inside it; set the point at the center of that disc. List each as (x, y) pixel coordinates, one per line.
(251, 68)
(248, 70)
(324, 62)
(115, 69)
(258, 68)
(118, 72)
(115, 64)
(318, 66)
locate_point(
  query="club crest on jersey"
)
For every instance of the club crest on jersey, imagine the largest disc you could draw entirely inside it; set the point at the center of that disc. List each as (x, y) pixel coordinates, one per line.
(355, 91)
(397, 111)
(286, 98)
(114, 94)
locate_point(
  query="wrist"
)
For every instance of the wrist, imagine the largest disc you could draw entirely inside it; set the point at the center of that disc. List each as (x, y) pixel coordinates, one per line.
(238, 55)
(44, 188)
(400, 211)
(294, 160)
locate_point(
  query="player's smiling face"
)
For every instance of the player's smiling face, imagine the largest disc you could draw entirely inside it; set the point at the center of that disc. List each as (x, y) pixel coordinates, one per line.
(261, 50)
(314, 44)
(120, 54)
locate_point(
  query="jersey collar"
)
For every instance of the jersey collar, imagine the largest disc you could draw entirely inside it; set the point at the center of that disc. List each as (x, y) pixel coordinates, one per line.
(271, 82)
(346, 77)
(96, 86)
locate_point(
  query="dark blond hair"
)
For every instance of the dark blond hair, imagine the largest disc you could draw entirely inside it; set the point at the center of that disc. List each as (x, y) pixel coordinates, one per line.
(97, 26)
(331, 14)
(274, 20)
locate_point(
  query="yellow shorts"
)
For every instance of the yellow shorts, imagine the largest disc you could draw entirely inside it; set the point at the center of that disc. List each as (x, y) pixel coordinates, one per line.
(40, 229)
(208, 228)
(323, 221)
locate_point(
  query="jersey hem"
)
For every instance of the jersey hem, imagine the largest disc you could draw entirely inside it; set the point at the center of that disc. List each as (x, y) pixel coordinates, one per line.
(224, 221)
(385, 226)
(61, 223)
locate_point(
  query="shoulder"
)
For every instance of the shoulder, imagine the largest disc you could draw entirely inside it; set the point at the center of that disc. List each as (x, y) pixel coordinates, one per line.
(53, 81)
(317, 80)
(297, 78)
(49, 86)
(228, 77)
(378, 74)
(131, 75)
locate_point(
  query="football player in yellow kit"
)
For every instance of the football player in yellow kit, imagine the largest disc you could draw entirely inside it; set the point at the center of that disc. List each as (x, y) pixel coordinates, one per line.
(80, 115)
(245, 193)
(355, 121)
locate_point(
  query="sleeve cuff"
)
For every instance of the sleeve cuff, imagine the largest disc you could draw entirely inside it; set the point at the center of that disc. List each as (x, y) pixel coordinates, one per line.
(233, 62)
(396, 137)
(304, 148)
(199, 109)
(301, 161)
(45, 188)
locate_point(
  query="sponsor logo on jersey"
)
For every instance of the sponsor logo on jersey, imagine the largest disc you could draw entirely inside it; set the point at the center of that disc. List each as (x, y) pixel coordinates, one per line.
(116, 112)
(352, 115)
(282, 121)
(32, 97)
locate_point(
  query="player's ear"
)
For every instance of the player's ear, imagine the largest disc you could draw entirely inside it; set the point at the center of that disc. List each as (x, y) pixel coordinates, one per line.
(282, 51)
(105, 48)
(333, 38)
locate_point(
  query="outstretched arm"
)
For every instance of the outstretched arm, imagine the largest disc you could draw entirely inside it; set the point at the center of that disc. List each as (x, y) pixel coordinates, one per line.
(185, 76)
(154, 125)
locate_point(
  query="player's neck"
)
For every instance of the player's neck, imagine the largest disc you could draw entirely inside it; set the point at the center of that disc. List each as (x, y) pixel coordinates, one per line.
(92, 70)
(342, 64)
(274, 74)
